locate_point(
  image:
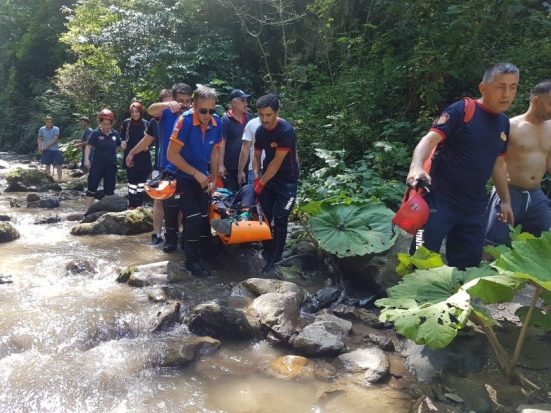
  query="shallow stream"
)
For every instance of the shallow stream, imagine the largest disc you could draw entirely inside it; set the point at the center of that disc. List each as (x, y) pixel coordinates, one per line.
(81, 343)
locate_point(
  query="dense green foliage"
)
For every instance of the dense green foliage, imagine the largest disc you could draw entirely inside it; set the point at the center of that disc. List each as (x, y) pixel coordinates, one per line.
(361, 77)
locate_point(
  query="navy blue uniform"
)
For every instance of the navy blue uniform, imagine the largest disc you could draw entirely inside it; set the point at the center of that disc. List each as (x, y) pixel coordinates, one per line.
(133, 132)
(278, 198)
(232, 132)
(459, 174)
(104, 162)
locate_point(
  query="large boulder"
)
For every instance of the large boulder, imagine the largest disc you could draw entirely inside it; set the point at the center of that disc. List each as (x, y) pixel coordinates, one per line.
(323, 337)
(157, 273)
(222, 322)
(136, 221)
(110, 203)
(376, 273)
(180, 352)
(279, 314)
(372, 363)
(31, 180)
(8, 232)
(254, 287)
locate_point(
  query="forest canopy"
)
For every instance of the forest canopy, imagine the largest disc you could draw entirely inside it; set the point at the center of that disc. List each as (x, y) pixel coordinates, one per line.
(363, 78)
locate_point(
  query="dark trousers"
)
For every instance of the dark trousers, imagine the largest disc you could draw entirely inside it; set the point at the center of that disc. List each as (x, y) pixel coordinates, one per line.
(231, 180)
(136, 189)
(277, 201)
(194, 204)
(99, 171)
(464, 233)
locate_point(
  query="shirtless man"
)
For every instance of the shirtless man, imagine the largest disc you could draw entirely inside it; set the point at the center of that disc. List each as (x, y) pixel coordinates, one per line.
(528, 159)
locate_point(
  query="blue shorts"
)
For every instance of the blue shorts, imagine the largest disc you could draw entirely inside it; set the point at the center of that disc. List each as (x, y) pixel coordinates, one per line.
(531, 209)
(52, 158)
(463, 231)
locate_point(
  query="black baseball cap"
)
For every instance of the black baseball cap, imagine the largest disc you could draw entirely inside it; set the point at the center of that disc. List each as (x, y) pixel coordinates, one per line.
(238, 93)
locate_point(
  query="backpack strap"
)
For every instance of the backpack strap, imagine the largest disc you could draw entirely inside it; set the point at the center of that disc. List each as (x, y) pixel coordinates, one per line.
(468, 114)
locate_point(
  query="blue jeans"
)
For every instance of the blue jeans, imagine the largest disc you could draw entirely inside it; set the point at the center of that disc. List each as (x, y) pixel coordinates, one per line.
(464, 233)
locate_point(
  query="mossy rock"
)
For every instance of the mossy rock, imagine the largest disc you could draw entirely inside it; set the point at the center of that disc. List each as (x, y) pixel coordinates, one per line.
(137, 221)
(8, 232)
(21, 179)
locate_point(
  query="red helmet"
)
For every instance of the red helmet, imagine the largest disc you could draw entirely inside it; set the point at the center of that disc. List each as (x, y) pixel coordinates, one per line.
(106, 114)
(413, 214)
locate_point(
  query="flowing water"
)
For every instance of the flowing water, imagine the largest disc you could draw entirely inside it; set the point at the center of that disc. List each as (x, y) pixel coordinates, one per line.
(82, 343)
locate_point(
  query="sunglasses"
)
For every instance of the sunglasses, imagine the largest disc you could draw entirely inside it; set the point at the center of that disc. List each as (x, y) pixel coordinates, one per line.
(204, 111)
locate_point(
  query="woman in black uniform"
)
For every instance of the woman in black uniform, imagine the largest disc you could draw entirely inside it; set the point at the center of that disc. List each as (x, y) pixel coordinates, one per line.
(105, 141)
(132, 132)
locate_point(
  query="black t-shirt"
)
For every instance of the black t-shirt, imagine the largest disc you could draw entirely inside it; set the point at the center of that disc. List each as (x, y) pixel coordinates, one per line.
(133, 133)
(281, 138)
(232, 132)
(105, 146)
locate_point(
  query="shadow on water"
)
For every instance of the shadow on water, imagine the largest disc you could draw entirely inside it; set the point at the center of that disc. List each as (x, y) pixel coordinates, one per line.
(82, 343)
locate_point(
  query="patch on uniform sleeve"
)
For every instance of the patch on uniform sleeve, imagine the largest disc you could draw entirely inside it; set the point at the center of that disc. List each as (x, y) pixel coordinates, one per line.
(273, 144)
(503, 136)
(444, 117)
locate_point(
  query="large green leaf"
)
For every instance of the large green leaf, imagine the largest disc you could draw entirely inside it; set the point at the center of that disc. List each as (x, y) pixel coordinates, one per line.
(429, 306)
(529, 259)
(423, 259)
(347, 230)
(539, 318)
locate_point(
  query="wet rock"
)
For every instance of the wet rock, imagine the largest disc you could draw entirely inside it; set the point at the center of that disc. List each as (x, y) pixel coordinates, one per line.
(79, 184)
(47, 203)
(5, 279)
(367, 317)
(30, 180)
(111, 203)
(157, 295)
(5, 218)
(222, 322)
(157, 273)
(132, 222)
(279, 314)
(33, 198)
(75, 216)
(49, 219)
(289, 367)
(8, 232)
(323, 336)
(371, 362)
(181, 352)
(14, 203)
(92, 217)
(321, 299)
(4, 164)
(167, 318)
(427, 405)
(81, 266)
(259, 286)
(384, 343)
(471, 392)
(534, 408)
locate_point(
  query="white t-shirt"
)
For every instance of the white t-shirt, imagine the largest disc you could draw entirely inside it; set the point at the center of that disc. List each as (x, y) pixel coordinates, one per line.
(248, 135)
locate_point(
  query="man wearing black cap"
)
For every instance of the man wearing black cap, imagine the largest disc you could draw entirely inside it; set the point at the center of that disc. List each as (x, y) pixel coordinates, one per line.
(233, 123)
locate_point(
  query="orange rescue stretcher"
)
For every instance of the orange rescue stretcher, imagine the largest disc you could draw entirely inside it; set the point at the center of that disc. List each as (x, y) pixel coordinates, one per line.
(254, 229)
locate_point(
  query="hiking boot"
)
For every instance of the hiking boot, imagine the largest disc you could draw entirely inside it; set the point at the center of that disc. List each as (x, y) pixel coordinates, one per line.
(171, 243)
(222, 226)
(156, 239)
(196, 269)
(170, 247)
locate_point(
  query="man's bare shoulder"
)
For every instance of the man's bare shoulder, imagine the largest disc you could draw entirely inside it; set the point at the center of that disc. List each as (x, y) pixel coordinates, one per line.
(518, 120)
